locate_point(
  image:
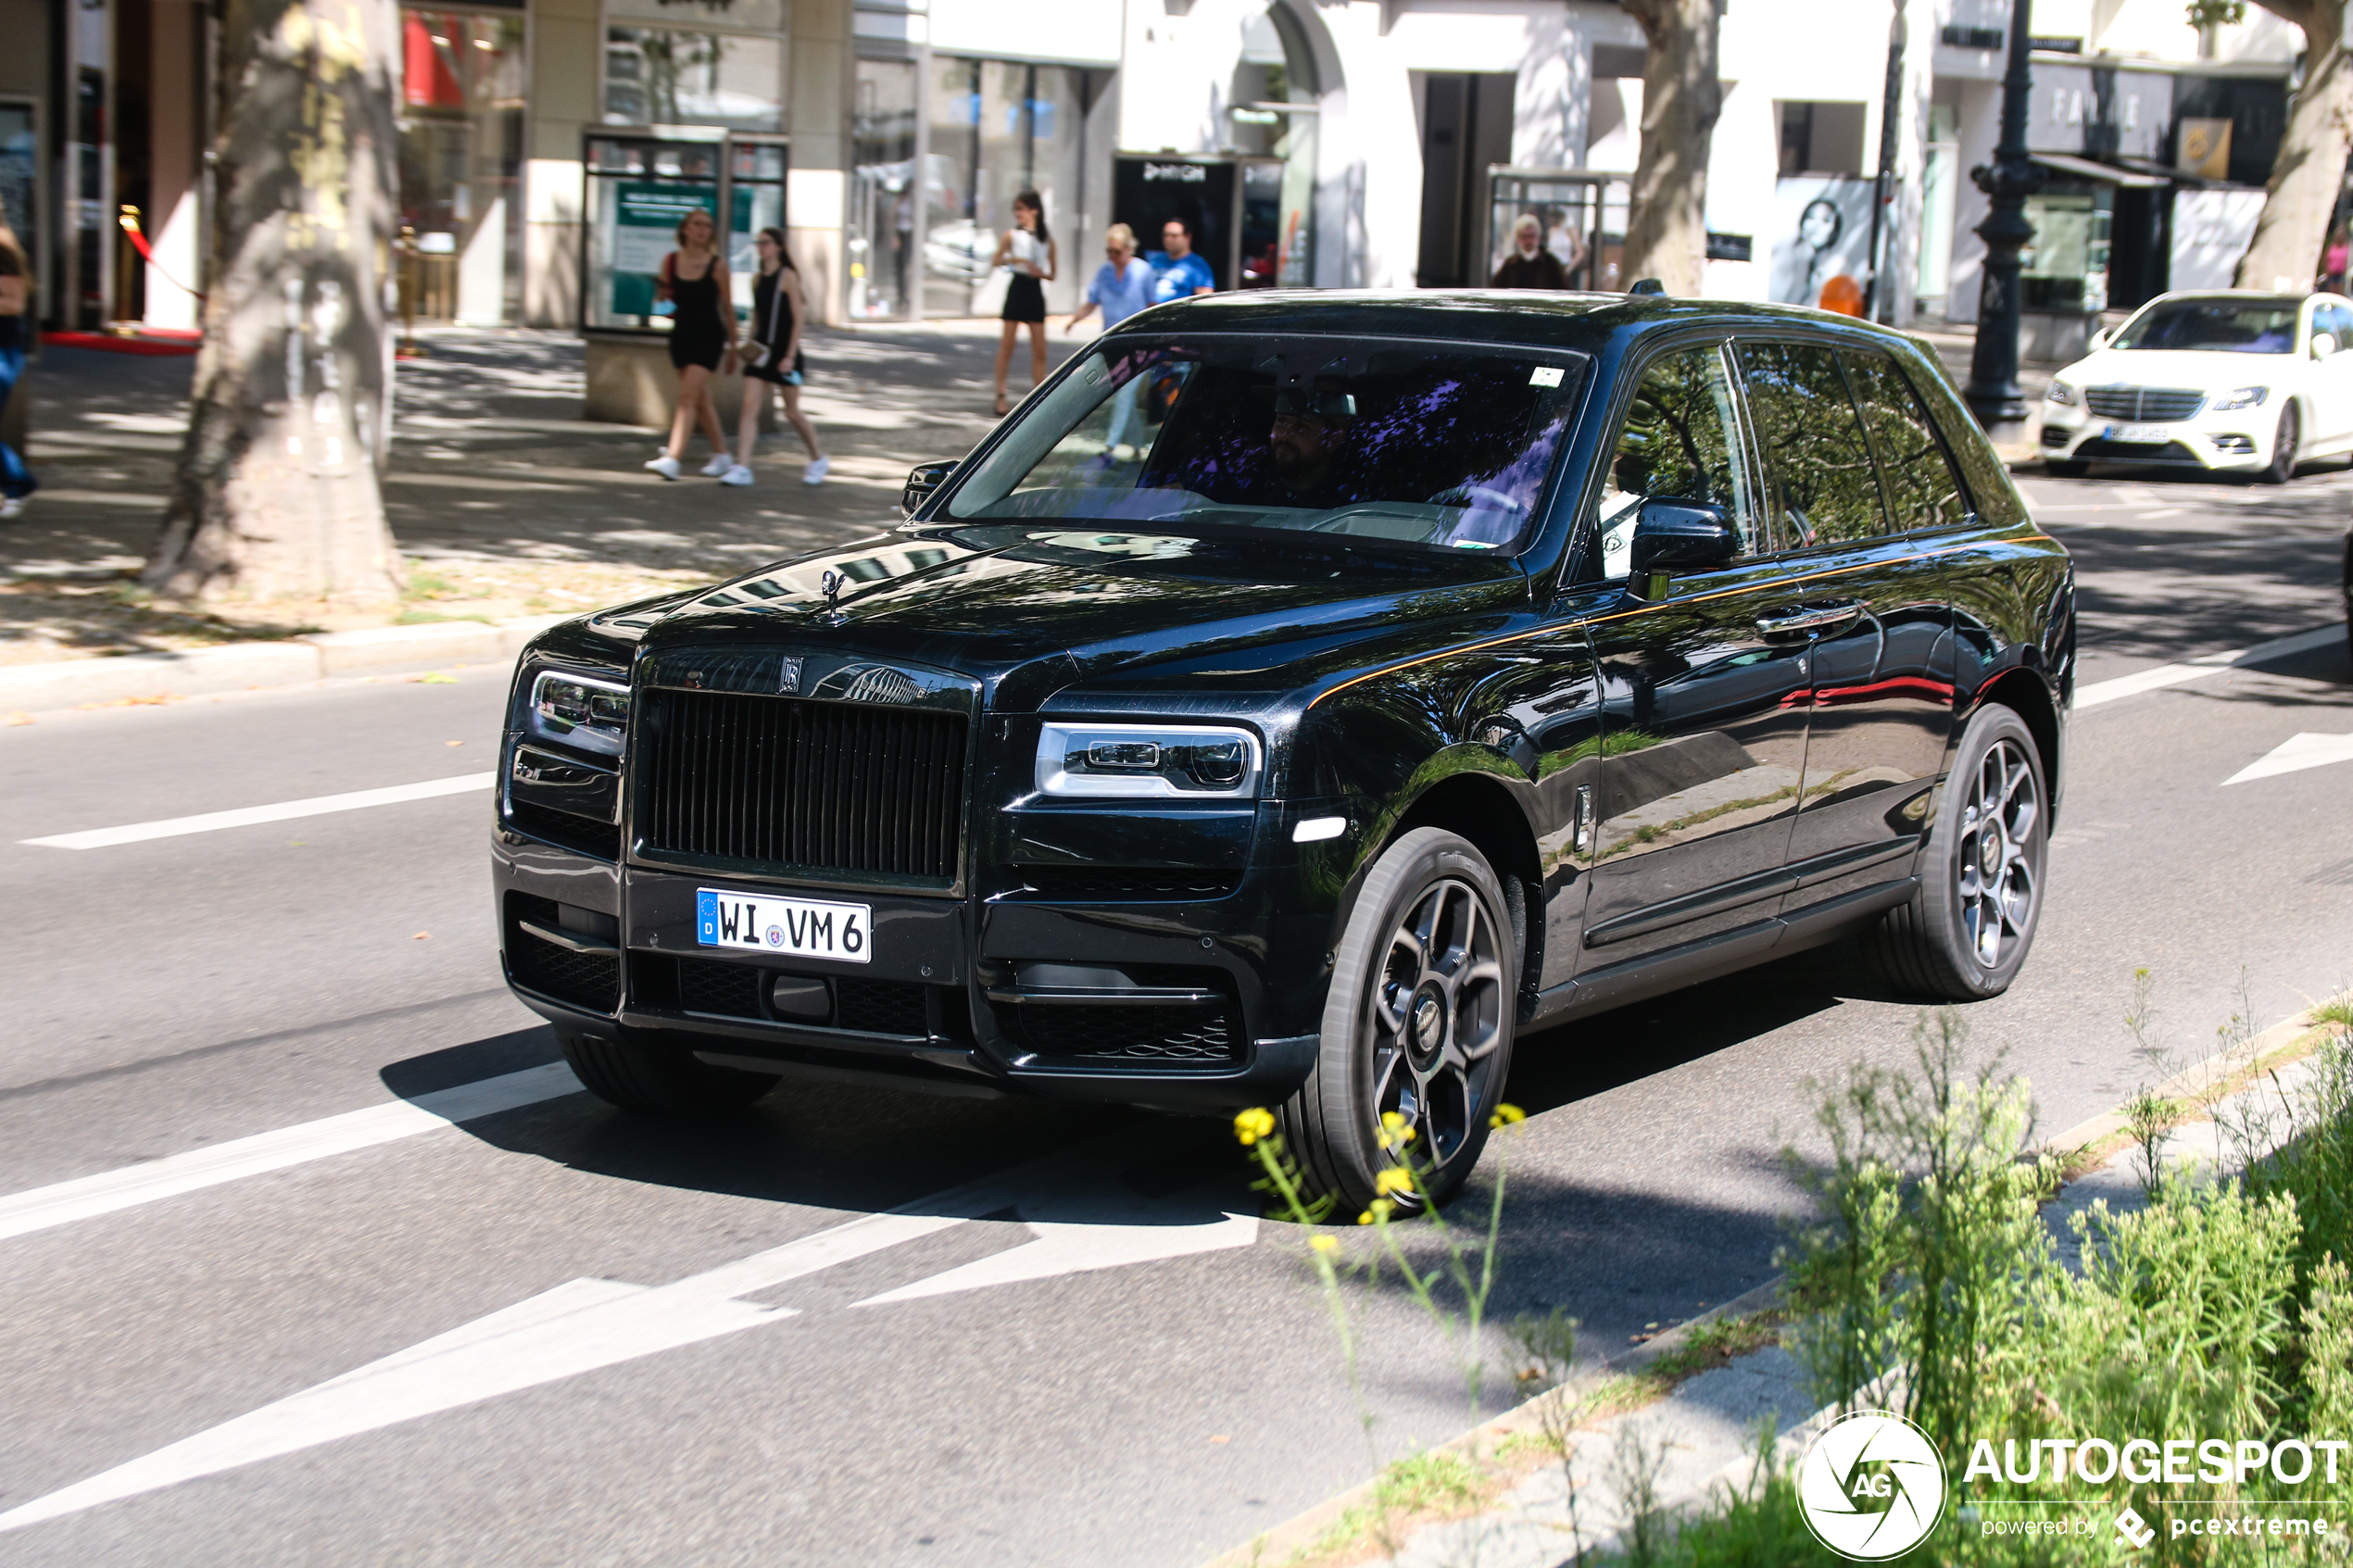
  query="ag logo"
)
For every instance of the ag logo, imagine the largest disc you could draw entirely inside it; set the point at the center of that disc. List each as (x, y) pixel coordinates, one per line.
(1871, 1486)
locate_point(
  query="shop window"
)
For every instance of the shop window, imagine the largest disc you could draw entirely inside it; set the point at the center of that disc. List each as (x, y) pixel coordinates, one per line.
(668, 76)
(461, 132)
(1821, 138)
(999, 128)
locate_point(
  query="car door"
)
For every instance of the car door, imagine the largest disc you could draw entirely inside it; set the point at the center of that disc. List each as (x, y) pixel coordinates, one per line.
(1855, 475)
(2330, 378)
(1703, 700)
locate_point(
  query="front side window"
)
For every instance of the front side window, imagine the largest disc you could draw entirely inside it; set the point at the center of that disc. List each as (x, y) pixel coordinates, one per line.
(1681, 442)
(1818, 467)
(1407, 444)
(1922, 490)
(2229, 326)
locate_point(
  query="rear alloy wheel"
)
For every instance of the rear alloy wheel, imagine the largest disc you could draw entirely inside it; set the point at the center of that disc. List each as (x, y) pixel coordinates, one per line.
(1418, 1025)
(1965, 934)
(658, 1080)
(2283, 445)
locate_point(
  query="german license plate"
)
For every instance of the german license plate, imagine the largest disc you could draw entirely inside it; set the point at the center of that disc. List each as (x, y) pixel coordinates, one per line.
(2139, 433)
(802, 927)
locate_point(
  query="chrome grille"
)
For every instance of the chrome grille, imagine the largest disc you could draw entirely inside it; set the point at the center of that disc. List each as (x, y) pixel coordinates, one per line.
(789, 784)
(2156, 404)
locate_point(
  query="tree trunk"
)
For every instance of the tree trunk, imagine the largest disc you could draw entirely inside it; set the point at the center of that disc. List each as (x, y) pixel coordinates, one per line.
(2301, 197)
(276, 496)
(1666, 232)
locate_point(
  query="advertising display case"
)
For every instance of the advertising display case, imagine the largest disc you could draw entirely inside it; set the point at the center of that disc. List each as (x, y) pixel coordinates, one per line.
(1583, 213)
(641, 182)
(1232, 203)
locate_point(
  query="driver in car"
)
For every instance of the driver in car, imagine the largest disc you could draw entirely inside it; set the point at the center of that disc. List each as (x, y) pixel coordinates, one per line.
(1307, 440)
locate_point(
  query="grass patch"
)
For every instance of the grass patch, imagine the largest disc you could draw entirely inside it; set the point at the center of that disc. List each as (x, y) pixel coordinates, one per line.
(432, 617)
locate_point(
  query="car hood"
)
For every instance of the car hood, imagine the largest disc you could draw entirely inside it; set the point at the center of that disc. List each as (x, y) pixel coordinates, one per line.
(2208, 370)
(1028, 610)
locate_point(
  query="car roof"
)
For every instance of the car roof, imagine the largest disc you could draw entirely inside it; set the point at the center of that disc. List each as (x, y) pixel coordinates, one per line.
(2235, 297)
(1547, 318)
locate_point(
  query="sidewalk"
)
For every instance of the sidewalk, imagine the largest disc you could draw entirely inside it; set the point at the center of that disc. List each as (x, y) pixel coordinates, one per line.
(504, 501)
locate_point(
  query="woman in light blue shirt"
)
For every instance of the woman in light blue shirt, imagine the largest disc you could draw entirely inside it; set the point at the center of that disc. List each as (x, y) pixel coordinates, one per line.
(1123, 285)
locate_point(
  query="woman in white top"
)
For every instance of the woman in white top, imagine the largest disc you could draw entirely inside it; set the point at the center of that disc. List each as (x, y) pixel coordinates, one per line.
(1028, 251)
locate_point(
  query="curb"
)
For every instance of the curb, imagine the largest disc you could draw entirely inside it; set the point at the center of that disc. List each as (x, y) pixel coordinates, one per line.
(2193, 1083)
(1277, 1545)
(234, 666)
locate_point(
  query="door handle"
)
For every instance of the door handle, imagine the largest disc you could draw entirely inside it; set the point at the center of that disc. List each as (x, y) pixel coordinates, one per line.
(1799, 619)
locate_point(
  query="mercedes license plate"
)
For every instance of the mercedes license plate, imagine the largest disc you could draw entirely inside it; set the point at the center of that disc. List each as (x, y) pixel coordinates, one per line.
(803, 927)
(2139, 434)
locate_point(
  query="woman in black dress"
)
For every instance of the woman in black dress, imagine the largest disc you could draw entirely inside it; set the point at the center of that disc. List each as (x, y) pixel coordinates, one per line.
(772, 357)
(693, 279)
(1028, 251)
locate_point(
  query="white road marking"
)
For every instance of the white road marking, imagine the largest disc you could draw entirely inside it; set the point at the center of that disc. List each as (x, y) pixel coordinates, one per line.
(246, 816)
(587, 1324)
(2204, 665)
(40, 1207)
(1106, 1229)
(2295, 753)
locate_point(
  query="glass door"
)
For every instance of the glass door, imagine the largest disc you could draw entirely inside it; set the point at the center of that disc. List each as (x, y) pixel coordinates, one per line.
(885, 203)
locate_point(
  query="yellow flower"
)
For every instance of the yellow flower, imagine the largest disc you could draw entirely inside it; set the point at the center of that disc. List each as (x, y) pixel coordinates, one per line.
(1395, 1179)
(1392, 1120)
(1253, 1124)
(1505, 1114)
(1323, 1243)
(1365, 1218)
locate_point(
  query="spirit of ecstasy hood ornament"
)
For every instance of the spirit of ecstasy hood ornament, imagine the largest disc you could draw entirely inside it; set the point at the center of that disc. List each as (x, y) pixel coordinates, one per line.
(831, 585)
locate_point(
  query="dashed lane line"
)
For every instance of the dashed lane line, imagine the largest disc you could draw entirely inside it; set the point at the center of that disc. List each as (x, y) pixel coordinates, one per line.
(246, 816)
(2197, 669)
(38, 1209)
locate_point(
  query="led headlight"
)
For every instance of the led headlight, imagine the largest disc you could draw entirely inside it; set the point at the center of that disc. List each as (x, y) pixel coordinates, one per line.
(2243, 397)
(1164, 762)
(2059, 392)
(575, 710)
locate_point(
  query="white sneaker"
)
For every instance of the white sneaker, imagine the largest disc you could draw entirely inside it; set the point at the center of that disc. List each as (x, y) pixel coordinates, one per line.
(815, 472)
(718, 466)
(666, 465)
(12, 507)
(738, 474)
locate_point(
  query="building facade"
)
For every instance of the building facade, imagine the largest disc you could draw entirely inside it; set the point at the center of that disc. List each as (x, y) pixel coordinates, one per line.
(547, 145)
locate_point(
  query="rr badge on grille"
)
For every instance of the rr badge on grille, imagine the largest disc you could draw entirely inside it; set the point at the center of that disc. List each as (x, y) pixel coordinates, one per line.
(789, 677)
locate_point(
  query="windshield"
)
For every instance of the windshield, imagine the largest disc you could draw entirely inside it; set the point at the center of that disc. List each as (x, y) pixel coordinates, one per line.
(2230, 326)
(1412, 444)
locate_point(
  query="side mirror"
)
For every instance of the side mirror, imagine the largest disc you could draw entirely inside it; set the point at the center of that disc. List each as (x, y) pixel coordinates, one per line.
(2324, 345)
(924, 481)
(1686, 535)
(2097, 341)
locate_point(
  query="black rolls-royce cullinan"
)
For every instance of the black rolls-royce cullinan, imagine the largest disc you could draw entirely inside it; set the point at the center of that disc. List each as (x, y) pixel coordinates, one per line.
(1299, 697)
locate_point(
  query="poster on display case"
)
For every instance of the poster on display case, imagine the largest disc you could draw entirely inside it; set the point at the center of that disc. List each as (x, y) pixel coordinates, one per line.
(645, 215)
(1821, 230)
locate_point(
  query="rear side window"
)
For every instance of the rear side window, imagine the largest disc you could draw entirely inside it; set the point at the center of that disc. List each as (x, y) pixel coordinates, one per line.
(1681, 441)
(1818, 474)
(1922, 490)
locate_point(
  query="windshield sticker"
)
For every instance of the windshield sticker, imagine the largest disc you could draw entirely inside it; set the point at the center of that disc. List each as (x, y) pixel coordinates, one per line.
(1545, 375)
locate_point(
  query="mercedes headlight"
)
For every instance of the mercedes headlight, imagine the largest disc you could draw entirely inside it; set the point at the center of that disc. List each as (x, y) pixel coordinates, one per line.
(2243, 397)
(2059, 392)
(577, 711)
(1163, 761)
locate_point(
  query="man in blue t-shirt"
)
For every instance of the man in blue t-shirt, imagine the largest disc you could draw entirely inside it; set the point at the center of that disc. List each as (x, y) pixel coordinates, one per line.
(1177, 273)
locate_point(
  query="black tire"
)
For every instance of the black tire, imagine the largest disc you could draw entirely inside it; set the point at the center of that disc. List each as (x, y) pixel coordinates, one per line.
(1964, 936)
(2064, 467)
(1429, 883)
(2282, 467)
(659, 1081)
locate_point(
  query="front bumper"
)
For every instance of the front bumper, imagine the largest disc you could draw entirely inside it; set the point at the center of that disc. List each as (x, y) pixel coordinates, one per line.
(1188, 1002)
(2213, 440)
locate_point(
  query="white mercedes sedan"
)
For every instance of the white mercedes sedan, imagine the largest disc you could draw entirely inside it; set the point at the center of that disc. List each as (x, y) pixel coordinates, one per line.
(2228, 379)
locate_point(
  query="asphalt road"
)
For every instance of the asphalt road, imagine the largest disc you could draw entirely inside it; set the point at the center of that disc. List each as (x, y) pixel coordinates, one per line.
(1066, 1340)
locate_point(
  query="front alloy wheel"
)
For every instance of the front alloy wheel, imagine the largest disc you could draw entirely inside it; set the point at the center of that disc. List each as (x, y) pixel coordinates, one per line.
(1418, 1029)
(2283, 445)
(1999, 871)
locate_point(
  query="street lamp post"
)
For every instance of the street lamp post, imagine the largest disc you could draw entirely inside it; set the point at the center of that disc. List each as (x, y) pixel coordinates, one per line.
(1993, 394)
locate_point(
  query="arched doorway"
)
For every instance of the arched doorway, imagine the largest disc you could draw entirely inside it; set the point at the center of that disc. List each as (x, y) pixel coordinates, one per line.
(1275, 107)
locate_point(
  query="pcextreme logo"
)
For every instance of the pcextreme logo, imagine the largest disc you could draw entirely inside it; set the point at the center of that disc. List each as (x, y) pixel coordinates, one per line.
(1871, 1486)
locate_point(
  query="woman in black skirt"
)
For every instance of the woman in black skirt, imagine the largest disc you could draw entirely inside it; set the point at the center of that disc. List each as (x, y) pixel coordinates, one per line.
(693, 279)
(1027, 250)
(772, 357)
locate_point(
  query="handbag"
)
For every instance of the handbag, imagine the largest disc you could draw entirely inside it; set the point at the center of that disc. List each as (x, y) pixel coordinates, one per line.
(989, 298)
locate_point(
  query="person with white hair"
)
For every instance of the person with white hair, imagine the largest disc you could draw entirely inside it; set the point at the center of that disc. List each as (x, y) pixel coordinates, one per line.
(1530, 265)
